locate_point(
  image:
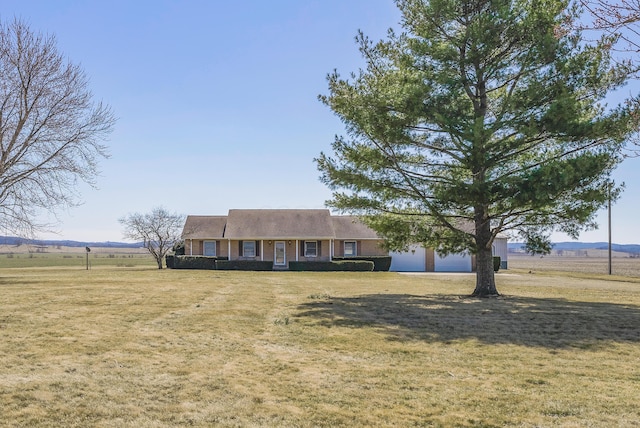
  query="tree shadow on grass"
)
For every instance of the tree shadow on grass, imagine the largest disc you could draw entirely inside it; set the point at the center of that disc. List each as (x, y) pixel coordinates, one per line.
(551, 323)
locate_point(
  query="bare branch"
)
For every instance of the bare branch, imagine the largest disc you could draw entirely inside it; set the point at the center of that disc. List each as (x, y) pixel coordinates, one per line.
(159, 230)
(51, 131)
(620, 18)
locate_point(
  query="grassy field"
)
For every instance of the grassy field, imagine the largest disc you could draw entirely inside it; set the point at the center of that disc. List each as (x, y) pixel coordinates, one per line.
(121, 346)
(30, 256)
(74, 260)
(597, 265)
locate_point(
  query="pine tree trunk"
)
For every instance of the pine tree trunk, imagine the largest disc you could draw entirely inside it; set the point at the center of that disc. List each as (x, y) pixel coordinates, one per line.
(485, 278)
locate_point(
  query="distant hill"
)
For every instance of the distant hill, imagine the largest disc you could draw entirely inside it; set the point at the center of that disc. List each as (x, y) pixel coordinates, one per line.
(574, 246)
(12, 240)
(513, 246)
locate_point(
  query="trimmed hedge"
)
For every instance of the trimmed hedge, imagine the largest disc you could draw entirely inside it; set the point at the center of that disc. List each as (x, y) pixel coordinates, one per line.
(255, 265)
(345, 266)
(380, 263)
(192, 262)
(496, 263)
(169, 261)
(222, 263)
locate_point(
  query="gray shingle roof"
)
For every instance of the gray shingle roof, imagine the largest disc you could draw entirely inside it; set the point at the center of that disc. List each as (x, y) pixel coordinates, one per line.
(204, 227)
(349, 227)
(276, 224)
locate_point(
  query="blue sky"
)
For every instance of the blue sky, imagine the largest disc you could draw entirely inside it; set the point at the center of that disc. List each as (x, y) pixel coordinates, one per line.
(217, 102)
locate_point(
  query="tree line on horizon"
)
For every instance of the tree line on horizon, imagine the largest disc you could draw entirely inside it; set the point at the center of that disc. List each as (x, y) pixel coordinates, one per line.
(476, 118)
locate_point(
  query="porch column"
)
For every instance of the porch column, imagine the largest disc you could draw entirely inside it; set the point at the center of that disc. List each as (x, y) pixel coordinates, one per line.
(297, 250)
(261, 250)
(191, 247)
(228, 249)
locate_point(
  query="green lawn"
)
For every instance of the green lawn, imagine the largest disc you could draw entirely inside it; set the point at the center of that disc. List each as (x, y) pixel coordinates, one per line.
(121, 346)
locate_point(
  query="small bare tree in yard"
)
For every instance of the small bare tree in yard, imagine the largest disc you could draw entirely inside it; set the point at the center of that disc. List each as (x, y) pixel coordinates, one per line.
(159, 230)
(50, 129)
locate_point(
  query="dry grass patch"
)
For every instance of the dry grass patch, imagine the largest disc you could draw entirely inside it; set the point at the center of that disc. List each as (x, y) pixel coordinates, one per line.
(97, 258)
(142, 347)
(625, 267)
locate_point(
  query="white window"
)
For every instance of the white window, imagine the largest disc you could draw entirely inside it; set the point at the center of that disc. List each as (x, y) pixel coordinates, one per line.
(350, 249)
(210, 248)
(248, 248)
(310, 248)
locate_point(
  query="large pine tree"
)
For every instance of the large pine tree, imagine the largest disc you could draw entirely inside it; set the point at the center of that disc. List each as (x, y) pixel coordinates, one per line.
(480, 118)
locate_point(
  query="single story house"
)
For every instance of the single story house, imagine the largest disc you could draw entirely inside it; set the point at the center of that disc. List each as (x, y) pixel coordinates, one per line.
(280, 235)
(284, 235)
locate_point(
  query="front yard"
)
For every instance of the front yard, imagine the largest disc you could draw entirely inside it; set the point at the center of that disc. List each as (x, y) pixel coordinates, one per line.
(141, 347)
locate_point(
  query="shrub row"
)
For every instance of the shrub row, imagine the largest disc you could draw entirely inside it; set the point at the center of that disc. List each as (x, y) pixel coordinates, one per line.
(496, 263)
(255, 265)
(215, 263)
(222, 263)
(380, 263)
(169, 261)
(193, 262)
(350, 266)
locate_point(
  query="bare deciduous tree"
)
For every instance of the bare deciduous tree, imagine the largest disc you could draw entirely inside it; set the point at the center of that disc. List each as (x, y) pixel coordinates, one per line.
(619, 22)
(620, 18)
(159, 230)
(50, 129)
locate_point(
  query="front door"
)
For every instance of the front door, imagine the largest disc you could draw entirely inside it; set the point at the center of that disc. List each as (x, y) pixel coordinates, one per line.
(280, 258)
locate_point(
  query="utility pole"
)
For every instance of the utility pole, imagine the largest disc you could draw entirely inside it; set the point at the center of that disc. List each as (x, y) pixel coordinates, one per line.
(609, 215)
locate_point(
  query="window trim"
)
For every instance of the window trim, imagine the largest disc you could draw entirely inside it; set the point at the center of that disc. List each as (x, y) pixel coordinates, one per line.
(355, 249)
(252, 244)
(204, 248)
(306, 249)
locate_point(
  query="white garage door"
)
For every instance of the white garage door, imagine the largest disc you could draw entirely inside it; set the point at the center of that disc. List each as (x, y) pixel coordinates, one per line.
(453, 263)
(413, 260)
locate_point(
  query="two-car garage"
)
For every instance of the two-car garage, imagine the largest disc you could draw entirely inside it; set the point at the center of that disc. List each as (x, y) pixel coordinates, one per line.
(419, 259)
